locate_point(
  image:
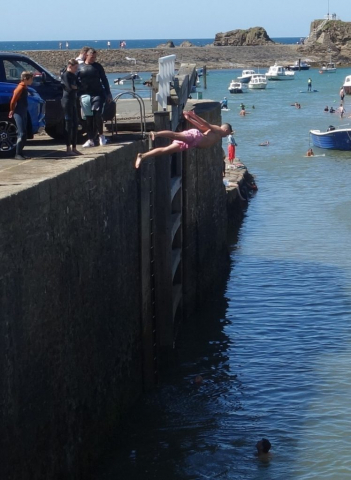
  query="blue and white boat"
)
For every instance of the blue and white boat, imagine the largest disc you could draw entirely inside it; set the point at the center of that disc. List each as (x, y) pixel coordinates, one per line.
(333, 138)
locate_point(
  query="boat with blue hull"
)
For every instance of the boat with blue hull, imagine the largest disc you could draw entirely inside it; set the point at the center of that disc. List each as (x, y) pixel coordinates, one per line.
(333, 138)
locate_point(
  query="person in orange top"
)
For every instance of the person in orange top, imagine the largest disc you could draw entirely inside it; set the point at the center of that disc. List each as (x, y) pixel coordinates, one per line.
(18, 111)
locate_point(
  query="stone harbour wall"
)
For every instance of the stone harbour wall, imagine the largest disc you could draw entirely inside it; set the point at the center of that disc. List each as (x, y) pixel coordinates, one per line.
(72, 337)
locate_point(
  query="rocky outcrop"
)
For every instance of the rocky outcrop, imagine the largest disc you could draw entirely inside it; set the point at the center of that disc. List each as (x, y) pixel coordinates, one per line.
(332, 37)
(186, 44)
(168, 44)
(239, 38)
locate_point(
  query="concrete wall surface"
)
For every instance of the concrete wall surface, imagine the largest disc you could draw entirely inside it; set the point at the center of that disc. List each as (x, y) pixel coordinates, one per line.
(205, 219)
(75, 306)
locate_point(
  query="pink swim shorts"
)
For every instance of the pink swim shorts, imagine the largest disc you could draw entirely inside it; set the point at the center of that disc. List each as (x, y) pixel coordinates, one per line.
(193, 137)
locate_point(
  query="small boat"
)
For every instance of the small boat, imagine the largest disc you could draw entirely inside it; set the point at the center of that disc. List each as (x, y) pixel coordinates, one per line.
(277, 72)
(246, 76)
(298, 65)
(328, 68)
(128, 79)
(333, 138)
(347, 85)
(258, 81)
(235, 87)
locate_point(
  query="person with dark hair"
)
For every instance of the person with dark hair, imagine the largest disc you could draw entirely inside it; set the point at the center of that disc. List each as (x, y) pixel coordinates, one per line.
(82, 55)
(203, 136)
(342, 94)
(94, 87)
(263, 446)
(69, 105)
(18, 111)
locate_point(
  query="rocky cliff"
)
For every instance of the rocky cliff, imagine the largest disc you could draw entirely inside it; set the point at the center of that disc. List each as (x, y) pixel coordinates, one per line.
(329, 37)
(239, 38)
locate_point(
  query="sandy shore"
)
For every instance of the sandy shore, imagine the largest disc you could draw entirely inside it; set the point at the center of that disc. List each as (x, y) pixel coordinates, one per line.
(212, 57)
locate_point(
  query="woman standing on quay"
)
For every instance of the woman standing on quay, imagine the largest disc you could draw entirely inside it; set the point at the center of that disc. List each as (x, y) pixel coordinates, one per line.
(69, 105)
(18, 111)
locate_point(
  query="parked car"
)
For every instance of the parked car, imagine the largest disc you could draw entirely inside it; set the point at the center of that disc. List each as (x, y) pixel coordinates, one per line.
(8, 129)
(47, 85)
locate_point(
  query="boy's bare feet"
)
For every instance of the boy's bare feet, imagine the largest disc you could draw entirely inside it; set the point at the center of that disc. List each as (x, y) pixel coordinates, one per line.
(76, 152)
(138, 160)
(70, 153)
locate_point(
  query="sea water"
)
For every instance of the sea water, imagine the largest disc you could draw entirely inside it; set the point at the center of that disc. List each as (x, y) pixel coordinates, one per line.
(274, 350)
(102, 44)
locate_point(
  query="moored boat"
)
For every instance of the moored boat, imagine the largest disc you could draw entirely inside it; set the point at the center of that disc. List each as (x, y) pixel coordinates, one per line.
(246, 76)
(328, 68)
(278, 72)
(130, 78)
(299, 65)
(333, 138)
(235, 87)
(258, 81)
(347, 85)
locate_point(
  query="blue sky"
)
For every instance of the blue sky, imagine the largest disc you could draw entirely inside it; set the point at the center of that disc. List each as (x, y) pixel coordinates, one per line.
(79, 19)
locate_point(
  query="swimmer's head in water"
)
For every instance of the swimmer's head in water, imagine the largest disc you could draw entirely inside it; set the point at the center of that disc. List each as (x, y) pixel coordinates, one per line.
(263, 446)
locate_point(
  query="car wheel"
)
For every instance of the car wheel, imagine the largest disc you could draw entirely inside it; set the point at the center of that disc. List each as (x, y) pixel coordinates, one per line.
(8, 138)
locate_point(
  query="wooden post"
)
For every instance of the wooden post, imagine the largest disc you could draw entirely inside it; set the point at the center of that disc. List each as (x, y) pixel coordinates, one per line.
(163, 238)
(204, 72)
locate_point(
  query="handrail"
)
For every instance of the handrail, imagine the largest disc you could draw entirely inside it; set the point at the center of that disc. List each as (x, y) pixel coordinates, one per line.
(142, 109)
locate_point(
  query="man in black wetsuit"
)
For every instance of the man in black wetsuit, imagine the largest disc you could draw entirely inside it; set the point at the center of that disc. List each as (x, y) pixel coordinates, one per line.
(93, 83)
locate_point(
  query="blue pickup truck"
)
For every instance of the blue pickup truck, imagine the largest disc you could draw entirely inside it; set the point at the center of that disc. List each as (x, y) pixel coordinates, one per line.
(8, 129)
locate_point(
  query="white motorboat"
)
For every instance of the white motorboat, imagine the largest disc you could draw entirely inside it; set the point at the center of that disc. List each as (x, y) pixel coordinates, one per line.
(246, 76)
(258, 81)
(328, 68)
(278, 72)
(235, 87)
(347, 85)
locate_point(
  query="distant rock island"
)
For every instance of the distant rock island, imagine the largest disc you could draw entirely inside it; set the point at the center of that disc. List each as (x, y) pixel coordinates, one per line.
(239, 38)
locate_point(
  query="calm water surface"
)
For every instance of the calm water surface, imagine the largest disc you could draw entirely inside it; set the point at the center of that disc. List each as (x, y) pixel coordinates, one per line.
(275, 349)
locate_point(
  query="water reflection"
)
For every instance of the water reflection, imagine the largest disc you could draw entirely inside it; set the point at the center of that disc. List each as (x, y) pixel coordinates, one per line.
(274, 356)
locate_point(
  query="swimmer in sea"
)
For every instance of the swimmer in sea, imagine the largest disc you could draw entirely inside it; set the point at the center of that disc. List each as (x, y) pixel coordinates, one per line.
(203, 136)
(263, 446)
(310, 153)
